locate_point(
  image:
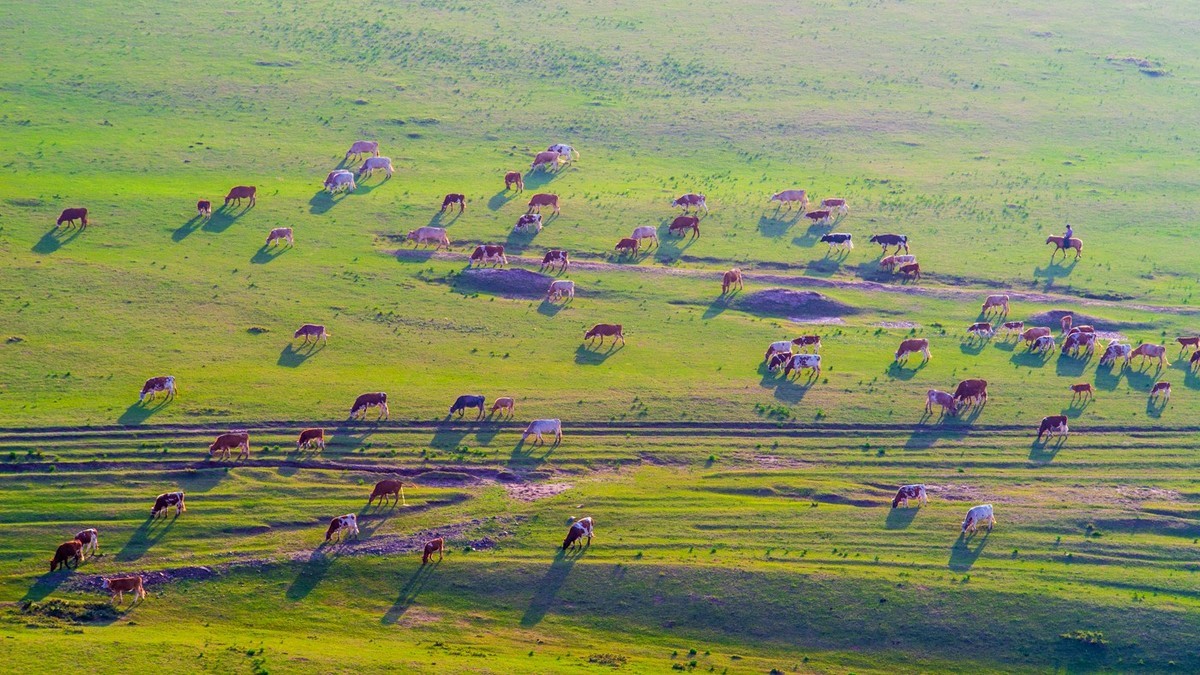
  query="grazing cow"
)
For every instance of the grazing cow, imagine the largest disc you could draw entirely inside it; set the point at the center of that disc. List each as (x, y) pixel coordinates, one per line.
(437, 546)
(426, 234)
(690, 201)
(1053, 425)
(527, 220)
(900, 241)
(514, 178)
(69, 216)
(554, 256)
(603, 330)
(281, 234)
(1082, 390)
(541, 199)
(1161, 388)
(119, 586)
(1066, 323)
(803, 341)
(337, 525)
(488, 253)
(467, 401)
(780, 347)
(838, 240)
(778, 360)
(822, 217)
(1043, 345)
(907, 492)
(229, 441)
(340, 180)
(565, 151)
(1013, 327)
(66, 552)
(547, 160)
(90, 538)
(505, 403)
(911, 271)
(374, 164)
(629, 246)
(1059, 245)
(156, 384)
(452, 199)
(165, 501)
(645, 232)
(560, 288)
(538, 427)
(998, 301)
(891, 262)
(800, 362)
(204, 208)
(578, 530)
(1185, 342)
(1114, 350)
(240, 192)
(1149, 351)
(1032, 334)
(790, 197)
(835, 204)
(371, 400)
(947, 401)
(359, 148)
(1079, 341)
(1082, 329)
(684, 223)
(979, 515)
(311, 437)
(1192, 361)
(312, 331)
(733, 276)
(386, 487)
(971, 391)
(913, 346)
(982, 329)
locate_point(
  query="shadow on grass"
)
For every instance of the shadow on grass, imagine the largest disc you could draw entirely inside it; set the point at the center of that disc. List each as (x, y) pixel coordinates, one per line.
(719, 305)
(898, 371)
(409, 592)
(547, 308)
(55, 239)
(200, 478)
(899, 519)
(962, 556)
(501, 198)
(522, 454)
(588, 356)
(1044, 451)
(546, 590)
(1070, 366)
(1030, 359)
(1106, 379)
(322, 201)
(46, 584)
(311, 573)
(925, 437)
(779, 223)
(811, 236)
(139, 412)
(972, 346)
(266, 254)
(187, 228)
(292, 356)
(223, 217)
(538, 179)
(148, 534)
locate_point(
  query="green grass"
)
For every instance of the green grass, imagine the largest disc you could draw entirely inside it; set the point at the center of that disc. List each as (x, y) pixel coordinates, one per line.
(761, 531)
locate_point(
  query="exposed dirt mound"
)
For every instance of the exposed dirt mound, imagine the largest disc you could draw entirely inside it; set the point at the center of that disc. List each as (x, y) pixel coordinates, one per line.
(529, 492)
(1053, 317)
(790, 303)
(513, 283)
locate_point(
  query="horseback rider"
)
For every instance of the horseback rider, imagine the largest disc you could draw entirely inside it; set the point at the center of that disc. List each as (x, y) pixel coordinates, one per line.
(1066, 242)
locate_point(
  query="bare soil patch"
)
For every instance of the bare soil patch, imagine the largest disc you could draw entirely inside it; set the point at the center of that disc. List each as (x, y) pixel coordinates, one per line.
(512, 282)
(531, 492)
(1054, 317)
(796, 305)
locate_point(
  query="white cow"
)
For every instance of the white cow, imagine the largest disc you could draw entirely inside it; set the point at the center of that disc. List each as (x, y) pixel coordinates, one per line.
(564, 150)
(907, 492)
(538, 427)
(348, 522)
(645, 232)
(154, 385)
(340, 180)
(978, 515)
(944, 399)
(781, 347)
(526, 220)
(1115, 349)
(90, 539)
(560, 288)
(361, 147)
(800, 362)
(373, 164)
(424, 235)
(1043, 344)
(790, 197)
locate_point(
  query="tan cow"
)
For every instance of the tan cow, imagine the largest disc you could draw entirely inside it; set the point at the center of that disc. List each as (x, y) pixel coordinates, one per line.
(733, 276)
(944, 399)
(997, 301)
(913, 346)
(119, 586)
(790, 197)
(424, 235)
(1149, 351)
(281, 234)
(560, 288)
(1029, 335)
(504, 403)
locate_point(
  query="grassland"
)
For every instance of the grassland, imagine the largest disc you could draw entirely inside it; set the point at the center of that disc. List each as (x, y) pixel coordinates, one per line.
(740, 516)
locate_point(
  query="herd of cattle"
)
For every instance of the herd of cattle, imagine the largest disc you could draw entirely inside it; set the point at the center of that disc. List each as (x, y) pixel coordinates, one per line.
(790, 356)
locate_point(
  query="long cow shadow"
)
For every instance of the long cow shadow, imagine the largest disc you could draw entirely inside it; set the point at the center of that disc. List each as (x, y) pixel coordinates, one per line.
(311, 573)
(409, 592)
(266, 254)
(222, 218)
(523, 457)
(899, 519)
(187, 228)
(587, 356)
(139, 412)
(293, 357)
(147, 535)
(1043, 452)
(962, 556)
(548, 588)
(54, 239)
(322, 201)
(501, 198)
(775, 226)
(47, 584)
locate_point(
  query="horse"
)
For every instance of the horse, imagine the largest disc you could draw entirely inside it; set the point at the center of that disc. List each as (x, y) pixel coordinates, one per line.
(1060, 245)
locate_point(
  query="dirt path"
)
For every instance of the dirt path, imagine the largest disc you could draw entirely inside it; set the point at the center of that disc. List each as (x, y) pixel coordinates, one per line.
(974, 294)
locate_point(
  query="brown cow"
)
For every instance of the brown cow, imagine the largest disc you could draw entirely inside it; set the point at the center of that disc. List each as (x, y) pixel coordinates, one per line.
(982, 329)
(911, 271)
(514, 178)
(312, 330)
(452, 199)
(69, 216)
(803, 341)
(836, 204)
(547, 159)
(733, 276)
(1082, 329)
(385, 487)
(683, 224)
(603, 330)
(778, 360)
(1066, 323)
(311, 437)
(554, 256)
(1185, 342)
(437, 546)
(67, 551)
(281, 234)
(913, 346)
(229, 441)
(1194, 360)
(119, 586)
(1082, 390)
(241, 192)
(627, 245)
(818, 217)
(541, 199)
(505, 403)
(1032, 334)
(204, 208)
(972, 391)
(1163, 388)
